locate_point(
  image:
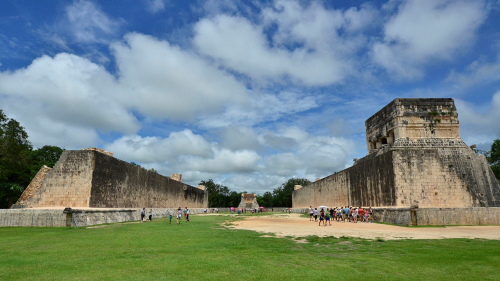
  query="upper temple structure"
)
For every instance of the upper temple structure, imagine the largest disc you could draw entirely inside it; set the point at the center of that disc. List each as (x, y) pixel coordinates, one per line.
(415, 158)
(248, 201)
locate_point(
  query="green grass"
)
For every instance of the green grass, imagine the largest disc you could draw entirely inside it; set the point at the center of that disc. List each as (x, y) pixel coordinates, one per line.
(205, 250)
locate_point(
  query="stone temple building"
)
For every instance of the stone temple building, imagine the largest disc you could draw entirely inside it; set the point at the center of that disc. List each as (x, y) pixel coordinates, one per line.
(248, 201)
(416, 159)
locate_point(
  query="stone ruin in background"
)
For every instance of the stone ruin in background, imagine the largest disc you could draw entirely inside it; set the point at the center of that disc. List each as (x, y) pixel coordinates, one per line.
(416, 158)
(248, 201)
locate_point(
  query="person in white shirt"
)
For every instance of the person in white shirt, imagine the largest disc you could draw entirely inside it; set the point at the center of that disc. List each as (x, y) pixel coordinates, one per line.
(187, 215)
(179, 215)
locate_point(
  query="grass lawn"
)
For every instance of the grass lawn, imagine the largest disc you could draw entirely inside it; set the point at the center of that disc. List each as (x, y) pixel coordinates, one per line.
(203, 250)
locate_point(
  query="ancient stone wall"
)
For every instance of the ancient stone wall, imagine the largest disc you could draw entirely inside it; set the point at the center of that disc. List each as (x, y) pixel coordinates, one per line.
(90, 178)
(68, 183)
(453, 177)
(368, 183)
(118, 184)
(33, 187)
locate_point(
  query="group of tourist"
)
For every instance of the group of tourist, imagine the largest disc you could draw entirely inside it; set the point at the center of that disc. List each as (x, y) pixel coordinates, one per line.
(349, 214)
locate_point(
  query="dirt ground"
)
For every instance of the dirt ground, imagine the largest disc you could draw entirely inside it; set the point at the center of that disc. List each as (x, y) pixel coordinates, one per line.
(293, 225)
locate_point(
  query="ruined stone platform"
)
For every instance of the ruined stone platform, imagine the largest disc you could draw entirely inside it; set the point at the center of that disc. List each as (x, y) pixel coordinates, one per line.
(432, 216)
(62, 217)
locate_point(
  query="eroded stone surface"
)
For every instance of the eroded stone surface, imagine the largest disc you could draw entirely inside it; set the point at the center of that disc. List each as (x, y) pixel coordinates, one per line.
(415, 158)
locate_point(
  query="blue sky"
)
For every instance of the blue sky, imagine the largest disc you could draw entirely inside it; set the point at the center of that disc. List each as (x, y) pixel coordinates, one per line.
(247, 93)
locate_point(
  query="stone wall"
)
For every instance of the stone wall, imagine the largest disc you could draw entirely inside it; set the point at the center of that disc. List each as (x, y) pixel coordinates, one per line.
(68, 184)
(368, 183)
(89, 178)
(118, 184)
(33, 187)
(32, 217)
(438, 216)
(444, 177)
(78, 217)
(453, 177)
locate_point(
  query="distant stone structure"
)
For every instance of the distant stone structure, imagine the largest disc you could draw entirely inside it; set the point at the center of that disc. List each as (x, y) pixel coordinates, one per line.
(416, 158)
(92, 178)
(248, 201)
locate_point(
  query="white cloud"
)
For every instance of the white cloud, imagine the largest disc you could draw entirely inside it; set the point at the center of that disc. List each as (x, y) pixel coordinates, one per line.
(238, 138)
(88, 23)
(190, 154)
(69, 91)
(426, 31)
(154, 149)
(155, 6)
(306, 47)
(477, 72)
(262, 107)
(165, 81)
(479, 125)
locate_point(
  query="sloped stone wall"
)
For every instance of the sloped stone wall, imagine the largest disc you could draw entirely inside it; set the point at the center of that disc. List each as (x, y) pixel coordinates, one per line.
(118, 184)
(33, 187)
(68, 184)
(368, 183)
(453, 177)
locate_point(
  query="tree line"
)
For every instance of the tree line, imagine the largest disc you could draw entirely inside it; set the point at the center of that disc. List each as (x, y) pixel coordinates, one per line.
(493, 157)
(221, 196)
(19, 162)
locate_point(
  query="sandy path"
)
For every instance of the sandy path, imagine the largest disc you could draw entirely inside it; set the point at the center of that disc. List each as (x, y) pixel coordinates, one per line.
(294, 225)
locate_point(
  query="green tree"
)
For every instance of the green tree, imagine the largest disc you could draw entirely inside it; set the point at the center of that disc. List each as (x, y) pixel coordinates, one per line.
(493, 157)
(283, 195)
(15, 156)
(266, 200)
(218, 195)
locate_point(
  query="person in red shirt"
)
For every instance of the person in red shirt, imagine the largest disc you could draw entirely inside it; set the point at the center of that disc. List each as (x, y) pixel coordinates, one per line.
(361, 213)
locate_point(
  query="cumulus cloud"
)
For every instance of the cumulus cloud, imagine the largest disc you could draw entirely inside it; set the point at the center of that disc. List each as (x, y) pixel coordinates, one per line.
(155, 149)
(261, 107)
(479, 71)
(306, 47)
(236, 138)
(479, 125)
(88, 23)
(197, 159)
(69, 91)
(425, 31)
(165, 81)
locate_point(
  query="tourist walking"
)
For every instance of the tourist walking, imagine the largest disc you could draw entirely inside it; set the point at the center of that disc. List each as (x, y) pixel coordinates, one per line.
(187, 214)
(143, 214)
(170, 218)
(179, 215)
(327, 217)
(321, 217)
(150, 215)
(315, 214)
(311, 212)
(370, 212)
(361, 214)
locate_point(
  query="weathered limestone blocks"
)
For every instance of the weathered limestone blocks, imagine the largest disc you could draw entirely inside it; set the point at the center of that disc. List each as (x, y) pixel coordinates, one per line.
(177, 177)
(248, 201)
(89, 178)
(34, 186)
(99, 150)
(296, 187)
(415, 158)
